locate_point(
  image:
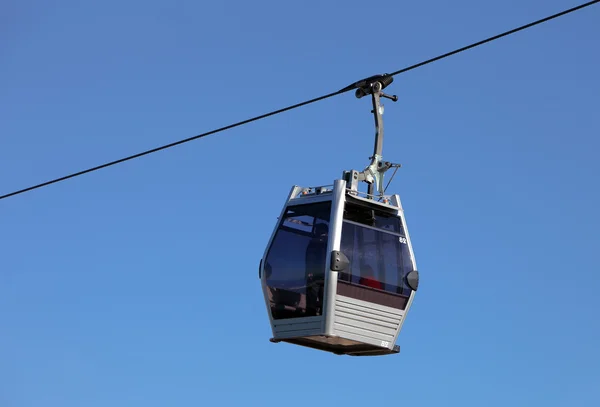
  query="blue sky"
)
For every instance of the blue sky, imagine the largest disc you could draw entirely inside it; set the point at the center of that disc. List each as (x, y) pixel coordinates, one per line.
(137, 285)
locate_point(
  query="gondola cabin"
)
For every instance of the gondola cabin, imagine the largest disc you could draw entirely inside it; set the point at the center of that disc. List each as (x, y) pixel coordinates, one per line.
(338, 273)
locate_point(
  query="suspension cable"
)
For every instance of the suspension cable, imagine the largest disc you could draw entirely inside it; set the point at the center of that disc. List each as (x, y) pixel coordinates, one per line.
(295, 106)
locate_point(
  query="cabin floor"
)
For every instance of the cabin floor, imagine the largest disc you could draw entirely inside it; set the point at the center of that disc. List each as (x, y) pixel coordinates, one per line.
(340, 346)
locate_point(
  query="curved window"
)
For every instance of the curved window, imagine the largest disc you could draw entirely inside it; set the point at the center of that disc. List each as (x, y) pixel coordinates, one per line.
(377, 249)
(295, 262)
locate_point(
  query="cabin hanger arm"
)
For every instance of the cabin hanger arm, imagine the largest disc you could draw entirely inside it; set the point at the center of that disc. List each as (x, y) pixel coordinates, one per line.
(373, 174)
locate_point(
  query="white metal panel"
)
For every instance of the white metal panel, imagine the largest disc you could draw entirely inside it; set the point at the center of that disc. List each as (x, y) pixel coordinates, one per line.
(396, 200)
(366, 322)
(335, 237)
(297, 327)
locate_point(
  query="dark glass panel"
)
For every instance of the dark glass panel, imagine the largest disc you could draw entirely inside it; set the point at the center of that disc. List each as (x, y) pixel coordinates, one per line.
(378, 259)
(295, 263)
(372, 217)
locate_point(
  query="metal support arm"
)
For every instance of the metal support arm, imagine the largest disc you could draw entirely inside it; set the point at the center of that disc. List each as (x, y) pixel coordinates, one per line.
(373, 174)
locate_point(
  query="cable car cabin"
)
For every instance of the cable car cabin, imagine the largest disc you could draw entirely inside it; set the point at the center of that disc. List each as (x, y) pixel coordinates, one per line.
(339, 274)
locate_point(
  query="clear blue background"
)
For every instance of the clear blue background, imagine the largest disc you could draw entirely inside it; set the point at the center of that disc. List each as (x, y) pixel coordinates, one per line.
(137, 285)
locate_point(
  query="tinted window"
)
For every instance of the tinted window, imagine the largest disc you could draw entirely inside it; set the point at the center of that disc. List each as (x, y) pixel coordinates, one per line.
(378, 259)
(371, 217)
(295, 263)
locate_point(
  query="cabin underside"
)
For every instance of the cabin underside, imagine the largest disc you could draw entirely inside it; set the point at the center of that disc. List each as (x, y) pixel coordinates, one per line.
(339, 346)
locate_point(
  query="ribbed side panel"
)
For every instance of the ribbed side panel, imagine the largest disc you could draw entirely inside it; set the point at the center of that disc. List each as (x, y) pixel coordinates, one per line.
(366, 322)
(291, 328)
